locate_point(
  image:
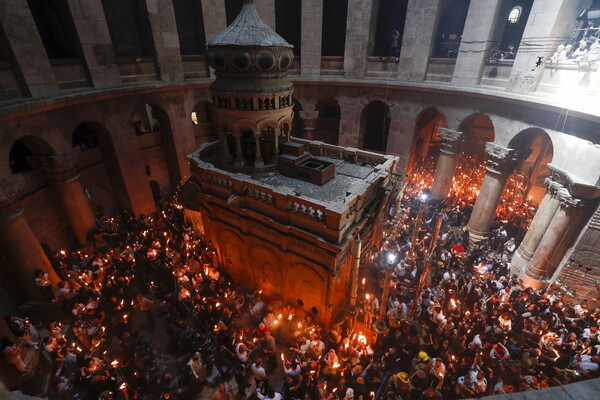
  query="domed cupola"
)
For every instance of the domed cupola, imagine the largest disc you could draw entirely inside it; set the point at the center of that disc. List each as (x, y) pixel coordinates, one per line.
(252, 95)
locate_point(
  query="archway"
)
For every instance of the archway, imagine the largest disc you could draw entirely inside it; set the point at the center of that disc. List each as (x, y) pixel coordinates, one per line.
(203, 118)
(478, 129)
(426, 139)
(375, 123)
(25, 147)
(100, 175)
(535, 168)
(153, 126)
(327, 125)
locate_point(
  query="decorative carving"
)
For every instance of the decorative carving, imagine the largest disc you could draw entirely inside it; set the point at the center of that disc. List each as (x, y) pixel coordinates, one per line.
(503, 160)
(58, 167)
(452, 141)
(567, 200)
(308, 118)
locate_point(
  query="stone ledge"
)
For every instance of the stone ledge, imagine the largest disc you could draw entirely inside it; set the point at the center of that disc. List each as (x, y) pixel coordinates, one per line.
(576, 391)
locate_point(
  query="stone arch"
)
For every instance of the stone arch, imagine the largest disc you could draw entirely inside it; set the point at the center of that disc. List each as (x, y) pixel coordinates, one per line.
(24, 147)
(267, 274)
(308, 285)
(426, 139)
(535, 167)
(232, 250)
(327, 126)
(102, 180)
(478, 129)
(203, 120)
(159, 156)
(375, 125)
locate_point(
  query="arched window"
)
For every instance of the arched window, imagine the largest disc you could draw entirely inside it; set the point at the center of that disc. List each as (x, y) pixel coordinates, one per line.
(514, 15)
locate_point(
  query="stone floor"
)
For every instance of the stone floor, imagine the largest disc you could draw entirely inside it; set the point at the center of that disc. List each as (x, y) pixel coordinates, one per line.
(588, 390)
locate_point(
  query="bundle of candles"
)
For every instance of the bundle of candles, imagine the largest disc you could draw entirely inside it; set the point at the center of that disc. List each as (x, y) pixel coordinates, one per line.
(515, 207)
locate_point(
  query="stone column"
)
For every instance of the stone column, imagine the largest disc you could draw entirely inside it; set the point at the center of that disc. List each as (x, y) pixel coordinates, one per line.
(266, 10)
(549, 24)
(61, 171)
(239, 157)
(166, 40)
(501, 163)
(96, 44)
(483, 30)
(214, 19)
(558, 237)
(258, 160)
(29, 56)
(309, 119)
(19, 244)
(275, 155)
(446, 164)
(418, 39)
(224, 147)
(360, 21)
(537, 228)
(312, 30)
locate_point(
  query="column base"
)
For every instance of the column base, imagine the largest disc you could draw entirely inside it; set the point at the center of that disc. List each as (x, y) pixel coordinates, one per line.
(519, 261)
(475, 236)
(533, 282)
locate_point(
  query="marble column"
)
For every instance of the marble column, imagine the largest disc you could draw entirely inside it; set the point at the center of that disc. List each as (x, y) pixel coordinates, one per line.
(61, 171)
(312, 27)
(558, 237)
(275, 155)
(19, 244)
(501, 162)
(444, 172)
(258, 159)
(309, 120)
(224, 147)
(537, 228)
(238, 162)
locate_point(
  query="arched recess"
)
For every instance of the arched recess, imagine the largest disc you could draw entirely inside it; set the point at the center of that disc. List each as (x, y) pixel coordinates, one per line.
(296, 121)
(308, 286)
(25, 147)
(155, 138)
(426, 139)
(327, 125)
(267, 274)
(375, 125)
(535, 167)
(203, 120)
(233, 254)
(99, 174)
(478, 129)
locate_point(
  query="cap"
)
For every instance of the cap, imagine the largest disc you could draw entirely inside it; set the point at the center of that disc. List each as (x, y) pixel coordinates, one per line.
(403, 376)
(423, 356)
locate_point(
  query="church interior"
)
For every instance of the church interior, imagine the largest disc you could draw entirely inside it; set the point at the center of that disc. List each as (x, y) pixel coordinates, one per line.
(299, 199)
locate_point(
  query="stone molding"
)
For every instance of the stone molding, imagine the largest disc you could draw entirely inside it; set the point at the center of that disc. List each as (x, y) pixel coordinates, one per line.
(503, 160)
(9, 190)
(59, 168)
(452, 141)
(567, 200)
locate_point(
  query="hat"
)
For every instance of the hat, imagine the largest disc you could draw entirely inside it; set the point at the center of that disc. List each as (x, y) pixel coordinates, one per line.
(423, 356)
(403, 376)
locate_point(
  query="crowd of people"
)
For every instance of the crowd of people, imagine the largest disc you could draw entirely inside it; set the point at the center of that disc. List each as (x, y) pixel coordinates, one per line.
(588, 49)
(474, 330)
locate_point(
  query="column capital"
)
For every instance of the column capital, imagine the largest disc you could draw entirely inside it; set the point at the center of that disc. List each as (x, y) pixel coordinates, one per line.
(9, 190)
(451, 141)
(567, 200)
(58, 167)
(503, 160)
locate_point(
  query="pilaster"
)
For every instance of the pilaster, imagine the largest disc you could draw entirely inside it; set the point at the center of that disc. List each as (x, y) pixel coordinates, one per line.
(418, 39)
(166, 39)
(312, 30)
(29, 56)
(482, 32)
(358, 35)
(96, 44)
(549, 24)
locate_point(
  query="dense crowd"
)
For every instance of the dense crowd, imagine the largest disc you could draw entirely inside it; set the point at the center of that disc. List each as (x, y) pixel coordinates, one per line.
(476, 329)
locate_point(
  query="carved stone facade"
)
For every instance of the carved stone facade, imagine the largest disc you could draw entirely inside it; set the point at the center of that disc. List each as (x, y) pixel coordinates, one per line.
(502, 160)
(452, 141)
